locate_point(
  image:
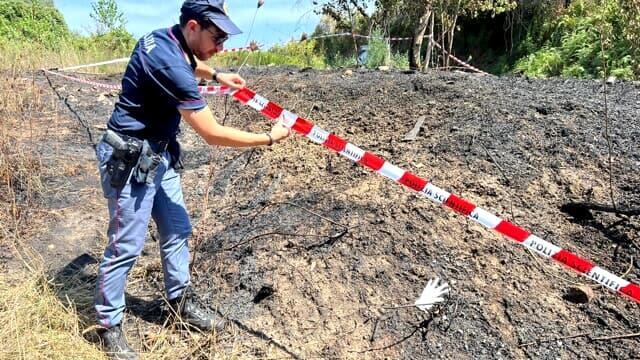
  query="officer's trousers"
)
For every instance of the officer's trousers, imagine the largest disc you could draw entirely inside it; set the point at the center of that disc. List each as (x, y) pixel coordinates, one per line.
(130, 210)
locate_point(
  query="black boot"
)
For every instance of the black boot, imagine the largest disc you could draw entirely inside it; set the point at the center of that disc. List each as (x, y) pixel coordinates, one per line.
(115, 344)
(192, 313)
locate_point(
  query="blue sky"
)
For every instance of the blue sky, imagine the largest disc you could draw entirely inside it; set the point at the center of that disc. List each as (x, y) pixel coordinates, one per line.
(277, 21)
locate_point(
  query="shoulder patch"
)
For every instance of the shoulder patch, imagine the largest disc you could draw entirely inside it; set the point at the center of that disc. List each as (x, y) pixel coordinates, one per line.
(148, 43)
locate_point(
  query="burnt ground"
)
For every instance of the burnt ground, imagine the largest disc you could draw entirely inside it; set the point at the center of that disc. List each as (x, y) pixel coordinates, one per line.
(306, 251)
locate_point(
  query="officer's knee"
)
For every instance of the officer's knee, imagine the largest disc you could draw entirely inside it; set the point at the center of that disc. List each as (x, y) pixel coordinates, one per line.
(186, 233)
(176, 237)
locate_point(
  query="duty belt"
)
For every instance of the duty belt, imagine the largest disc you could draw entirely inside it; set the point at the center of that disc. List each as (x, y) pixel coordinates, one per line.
(142, 157)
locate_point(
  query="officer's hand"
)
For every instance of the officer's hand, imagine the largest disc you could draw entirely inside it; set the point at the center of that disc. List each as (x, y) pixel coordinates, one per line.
(279, 132)
(233, 81)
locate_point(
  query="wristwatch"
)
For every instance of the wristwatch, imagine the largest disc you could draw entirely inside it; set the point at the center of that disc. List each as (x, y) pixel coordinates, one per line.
(214, 77)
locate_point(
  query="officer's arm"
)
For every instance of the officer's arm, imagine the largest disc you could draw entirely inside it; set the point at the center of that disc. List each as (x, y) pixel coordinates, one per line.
(206, 125)
(231, 80)
(203, 70)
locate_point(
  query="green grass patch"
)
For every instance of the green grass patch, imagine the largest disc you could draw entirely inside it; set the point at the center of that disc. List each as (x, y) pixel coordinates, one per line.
(299, 54)
(573, 46)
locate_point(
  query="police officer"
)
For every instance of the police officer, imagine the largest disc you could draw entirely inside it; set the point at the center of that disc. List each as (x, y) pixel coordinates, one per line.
(158, 89)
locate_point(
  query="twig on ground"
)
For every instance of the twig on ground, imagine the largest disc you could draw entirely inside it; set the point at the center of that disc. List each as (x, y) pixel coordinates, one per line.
(74, 112)
(373, 332)
(578, 208)
(330, 241)
(413, 134)
(244, 242)
(303, 209)
(313, 106)
(318, 215)
(199, 238)
(455, 312)
(615, 337)
(606, 122)
(405, 306)
(555, 339)
(506, 178)
(423, 325)
(584, 334)
(629, 269)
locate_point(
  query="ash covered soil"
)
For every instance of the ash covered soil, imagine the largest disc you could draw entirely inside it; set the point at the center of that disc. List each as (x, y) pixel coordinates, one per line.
(307, 252)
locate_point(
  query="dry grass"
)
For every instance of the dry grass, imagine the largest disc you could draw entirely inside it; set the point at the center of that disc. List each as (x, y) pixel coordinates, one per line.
(37, 325)
(21, 169)
(33, 56)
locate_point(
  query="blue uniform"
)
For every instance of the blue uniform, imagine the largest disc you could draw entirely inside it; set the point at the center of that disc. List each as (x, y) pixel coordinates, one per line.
(157, 83)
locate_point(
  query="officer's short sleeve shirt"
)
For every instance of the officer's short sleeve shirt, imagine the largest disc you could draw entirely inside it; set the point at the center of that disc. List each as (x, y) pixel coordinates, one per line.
(157, 83)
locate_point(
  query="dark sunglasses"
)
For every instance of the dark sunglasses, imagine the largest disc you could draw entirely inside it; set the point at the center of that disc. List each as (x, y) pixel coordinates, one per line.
(217, 38)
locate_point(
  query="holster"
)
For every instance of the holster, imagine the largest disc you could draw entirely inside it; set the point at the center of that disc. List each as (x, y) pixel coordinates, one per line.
(122, 160)
(175, 152)
(131, 154)
(147, 166)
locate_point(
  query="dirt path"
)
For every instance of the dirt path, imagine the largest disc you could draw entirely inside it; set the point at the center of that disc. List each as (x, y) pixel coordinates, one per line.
(299, 285)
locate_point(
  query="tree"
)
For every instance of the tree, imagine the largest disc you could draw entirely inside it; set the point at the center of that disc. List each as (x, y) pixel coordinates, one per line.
(631, 17)
(107, 16)
(348, 16)
(411, 18)
(422, 14)
(35, 21)
(110, 32)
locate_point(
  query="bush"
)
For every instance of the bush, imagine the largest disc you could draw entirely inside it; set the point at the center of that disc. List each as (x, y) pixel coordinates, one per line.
(34, 34)
(35, 22)
(116, 42)
(378, 50)
(340, 61)
(295, 53)
(542, 63)
(400, 60)
(573, 46)
(340, 50)
(336, 49)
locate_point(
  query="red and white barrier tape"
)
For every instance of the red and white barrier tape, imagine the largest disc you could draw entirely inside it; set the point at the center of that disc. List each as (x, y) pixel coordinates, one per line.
(109, 62)
(326, 36)
(471, 67)
(251, 49)
(400, 38)
(412, 181)
(215, 90)
(359, 36)
(124, 60)
(458, 60)
(84, 81)
(205, 90)
(546, 249)
(240, 49)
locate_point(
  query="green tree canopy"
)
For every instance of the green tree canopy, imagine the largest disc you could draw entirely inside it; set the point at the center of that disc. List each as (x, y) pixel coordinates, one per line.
(32, 20)
(107, 16)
